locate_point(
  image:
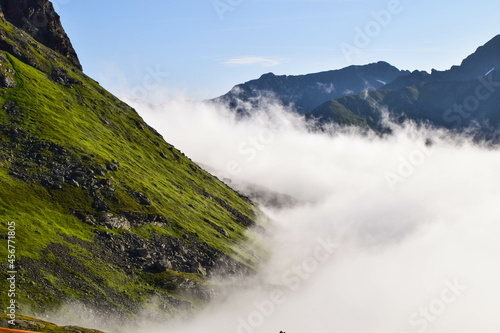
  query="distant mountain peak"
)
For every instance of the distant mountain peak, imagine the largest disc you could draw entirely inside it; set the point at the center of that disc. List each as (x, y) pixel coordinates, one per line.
(270, 74)
(39, 19)
(305, 92)
(482, 60)
(464, 97)
(492, 46)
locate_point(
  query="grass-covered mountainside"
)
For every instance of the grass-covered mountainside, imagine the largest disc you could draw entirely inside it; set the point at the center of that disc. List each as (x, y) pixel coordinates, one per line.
(107, 213)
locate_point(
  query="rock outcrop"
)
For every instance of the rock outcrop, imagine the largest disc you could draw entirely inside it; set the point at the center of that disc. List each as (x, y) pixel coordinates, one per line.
(39, 19)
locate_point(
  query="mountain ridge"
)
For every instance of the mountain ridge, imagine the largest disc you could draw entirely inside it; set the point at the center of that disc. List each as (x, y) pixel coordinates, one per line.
(465, 96)
(477, 64)
(304, 92)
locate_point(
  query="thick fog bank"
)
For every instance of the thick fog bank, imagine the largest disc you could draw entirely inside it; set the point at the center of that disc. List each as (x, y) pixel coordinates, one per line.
(394, 234)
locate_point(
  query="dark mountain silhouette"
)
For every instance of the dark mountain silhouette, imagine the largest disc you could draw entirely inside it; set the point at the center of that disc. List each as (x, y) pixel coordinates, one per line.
(463, 96)
(305, 92)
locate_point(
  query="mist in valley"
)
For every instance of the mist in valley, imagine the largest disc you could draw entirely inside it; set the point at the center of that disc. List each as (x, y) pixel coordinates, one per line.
(384, 234)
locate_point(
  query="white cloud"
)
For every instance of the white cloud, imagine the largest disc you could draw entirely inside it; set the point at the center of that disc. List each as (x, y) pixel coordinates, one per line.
(252, 60)
(398, 248)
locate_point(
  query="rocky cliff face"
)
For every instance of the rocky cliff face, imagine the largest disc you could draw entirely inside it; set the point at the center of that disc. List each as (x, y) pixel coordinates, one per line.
(38, 18)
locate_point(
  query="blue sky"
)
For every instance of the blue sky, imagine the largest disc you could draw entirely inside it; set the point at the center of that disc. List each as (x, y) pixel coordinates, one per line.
(201, 48)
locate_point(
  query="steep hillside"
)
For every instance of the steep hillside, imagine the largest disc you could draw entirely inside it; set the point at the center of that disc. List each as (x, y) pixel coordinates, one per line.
(107, 214)
(306, 92)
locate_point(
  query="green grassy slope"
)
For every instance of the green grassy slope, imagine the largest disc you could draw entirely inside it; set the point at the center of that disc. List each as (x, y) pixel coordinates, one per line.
(99, 198)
